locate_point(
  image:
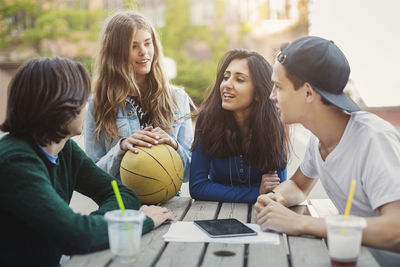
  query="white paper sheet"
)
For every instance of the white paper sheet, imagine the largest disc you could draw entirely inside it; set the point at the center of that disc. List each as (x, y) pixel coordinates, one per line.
(189, 232)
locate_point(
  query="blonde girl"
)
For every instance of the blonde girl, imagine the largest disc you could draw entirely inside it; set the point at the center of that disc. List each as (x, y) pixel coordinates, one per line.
(134, 104)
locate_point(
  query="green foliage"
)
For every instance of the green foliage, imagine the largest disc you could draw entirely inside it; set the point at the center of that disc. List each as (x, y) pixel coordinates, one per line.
(131, 4)
(196, 75)
(16, 17)
(30, 23)
(88, 62)
(36, 23)
(177, 27)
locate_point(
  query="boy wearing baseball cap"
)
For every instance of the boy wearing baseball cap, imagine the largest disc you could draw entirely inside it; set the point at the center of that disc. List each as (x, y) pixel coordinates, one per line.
(309, 76)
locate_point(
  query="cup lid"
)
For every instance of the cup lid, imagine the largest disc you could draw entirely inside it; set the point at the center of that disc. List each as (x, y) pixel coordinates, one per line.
(352, 221)
(128, 216)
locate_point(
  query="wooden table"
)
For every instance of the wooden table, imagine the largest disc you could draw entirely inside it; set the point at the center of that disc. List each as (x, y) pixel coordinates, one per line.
(292, 251)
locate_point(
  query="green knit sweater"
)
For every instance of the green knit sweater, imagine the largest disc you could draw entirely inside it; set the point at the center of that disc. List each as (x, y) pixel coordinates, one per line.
(37, 225)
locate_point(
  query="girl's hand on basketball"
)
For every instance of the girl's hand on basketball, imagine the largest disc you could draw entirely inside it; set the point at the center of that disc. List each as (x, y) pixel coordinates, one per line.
(157, 214)
(268, 182)
(164, 138)
(145, 138)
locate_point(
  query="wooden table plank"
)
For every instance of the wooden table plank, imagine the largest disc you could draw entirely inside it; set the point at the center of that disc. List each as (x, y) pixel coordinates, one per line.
(152, 243)
(305, 250)
(324, 207)
(185, 253)
(99, 258)
(308, 251)
(228, 210)
(268, 255)
(234, 210)
(366, 259)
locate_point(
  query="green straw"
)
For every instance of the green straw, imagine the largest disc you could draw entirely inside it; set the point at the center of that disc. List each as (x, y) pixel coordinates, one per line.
(118, 196)
(119, 200)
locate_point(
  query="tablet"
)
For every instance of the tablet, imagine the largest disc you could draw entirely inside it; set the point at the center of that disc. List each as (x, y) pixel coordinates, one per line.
(224, 228)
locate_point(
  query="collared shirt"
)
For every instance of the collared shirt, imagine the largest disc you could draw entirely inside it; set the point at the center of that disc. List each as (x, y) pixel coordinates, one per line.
(52, 159)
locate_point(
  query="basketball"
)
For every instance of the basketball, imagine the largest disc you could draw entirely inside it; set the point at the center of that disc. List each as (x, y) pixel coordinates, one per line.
(155, 174)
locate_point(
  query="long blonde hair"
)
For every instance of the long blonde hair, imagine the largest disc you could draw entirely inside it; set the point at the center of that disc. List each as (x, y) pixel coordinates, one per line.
(114, 78)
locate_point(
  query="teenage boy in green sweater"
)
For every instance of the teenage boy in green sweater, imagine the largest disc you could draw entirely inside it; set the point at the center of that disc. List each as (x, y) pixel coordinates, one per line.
(40, 167)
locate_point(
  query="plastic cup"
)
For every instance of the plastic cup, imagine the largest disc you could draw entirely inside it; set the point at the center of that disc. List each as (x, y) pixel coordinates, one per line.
(344, 239)
(124, 233)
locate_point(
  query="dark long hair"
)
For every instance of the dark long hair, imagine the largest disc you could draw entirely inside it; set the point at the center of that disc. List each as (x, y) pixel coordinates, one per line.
(218, 131)
(43, 97)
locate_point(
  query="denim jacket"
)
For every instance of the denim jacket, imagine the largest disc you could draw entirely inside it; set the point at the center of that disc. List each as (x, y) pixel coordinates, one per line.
(108, 155)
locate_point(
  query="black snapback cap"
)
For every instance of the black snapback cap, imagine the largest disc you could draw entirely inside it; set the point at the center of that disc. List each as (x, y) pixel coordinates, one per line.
(323, 65)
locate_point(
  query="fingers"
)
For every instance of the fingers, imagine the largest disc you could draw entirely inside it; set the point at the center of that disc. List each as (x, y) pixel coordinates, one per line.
(140, 138)
(268, 182)
(168, 216)
(169, 141)
(148, 137)
(157, 130)
(264, 200)
(137, 140)
(145, 136)
(164, 138)
(157, 214)
(148, 128)
(127, 144)
(268, 217)
(271, 179)
(267, 187)
(258, 207)
(268, 177)
(130, 147)
(264, 216)
(277, 197)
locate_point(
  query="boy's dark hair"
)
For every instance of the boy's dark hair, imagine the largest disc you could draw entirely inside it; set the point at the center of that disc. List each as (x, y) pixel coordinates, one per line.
(296, 81)
(43, 97)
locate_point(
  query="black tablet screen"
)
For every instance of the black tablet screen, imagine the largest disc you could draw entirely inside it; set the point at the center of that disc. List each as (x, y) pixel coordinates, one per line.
(224, 228)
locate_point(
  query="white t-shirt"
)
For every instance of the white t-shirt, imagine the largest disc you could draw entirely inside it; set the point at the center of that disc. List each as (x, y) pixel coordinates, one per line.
(369, 152)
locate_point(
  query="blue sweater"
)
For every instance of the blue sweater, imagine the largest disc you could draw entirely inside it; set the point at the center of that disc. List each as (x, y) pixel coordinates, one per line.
(224, 179)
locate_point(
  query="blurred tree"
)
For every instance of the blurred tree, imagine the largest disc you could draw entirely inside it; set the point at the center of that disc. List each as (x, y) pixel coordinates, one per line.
(49, 25)
(193, 73)
(131, 4)
(32, 23)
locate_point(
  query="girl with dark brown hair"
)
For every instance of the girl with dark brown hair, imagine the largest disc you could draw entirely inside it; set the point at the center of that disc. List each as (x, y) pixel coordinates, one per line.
(240, 145)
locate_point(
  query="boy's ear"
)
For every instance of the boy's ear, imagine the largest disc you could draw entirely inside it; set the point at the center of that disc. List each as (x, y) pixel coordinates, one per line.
(310, 93)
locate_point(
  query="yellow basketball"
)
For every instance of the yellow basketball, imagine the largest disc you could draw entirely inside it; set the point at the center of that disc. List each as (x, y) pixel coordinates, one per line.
(155, 174)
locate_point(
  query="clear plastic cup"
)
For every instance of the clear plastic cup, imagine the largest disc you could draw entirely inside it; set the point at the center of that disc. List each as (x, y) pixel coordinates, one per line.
(344, 239)
(124, 233)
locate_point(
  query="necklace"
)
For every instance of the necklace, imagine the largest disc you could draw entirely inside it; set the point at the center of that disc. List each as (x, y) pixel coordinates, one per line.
(241, 180)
